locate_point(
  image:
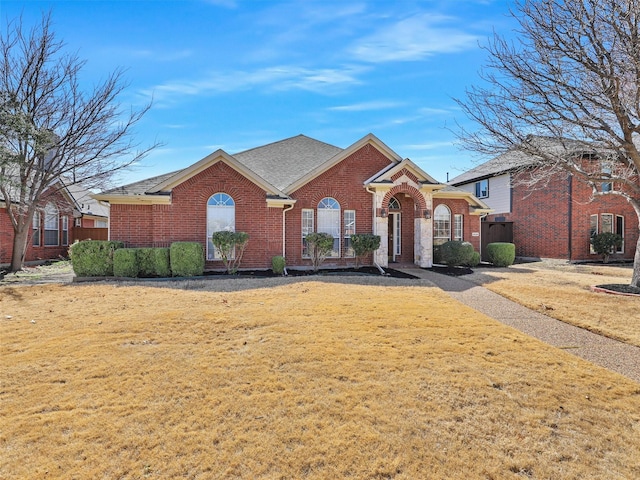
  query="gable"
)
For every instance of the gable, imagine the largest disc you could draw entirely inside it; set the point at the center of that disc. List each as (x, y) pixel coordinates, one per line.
(368, 140)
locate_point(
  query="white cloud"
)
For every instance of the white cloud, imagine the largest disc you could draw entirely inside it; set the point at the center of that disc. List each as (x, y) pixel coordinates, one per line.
(411, 39)
(280, 78)
(366, 106)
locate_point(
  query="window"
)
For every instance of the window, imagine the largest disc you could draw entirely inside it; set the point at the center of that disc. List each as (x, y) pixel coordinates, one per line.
(329, 222)
(394, 204)
(606, 172)
(607, 223)
(458, 221)
(79, 222)
(593, 231)
(307, 228)
(101, 224)
(441, 225)
(51, 225)
(349, 229)
(221, 215)
(65, 230)
(620, 231)
(36, 229)
(482, 188)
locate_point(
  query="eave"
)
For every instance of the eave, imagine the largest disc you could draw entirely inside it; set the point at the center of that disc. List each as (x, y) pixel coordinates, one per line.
(134, 199)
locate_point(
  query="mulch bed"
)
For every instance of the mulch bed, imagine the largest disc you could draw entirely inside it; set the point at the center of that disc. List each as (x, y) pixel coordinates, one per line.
(292, 272)
(617, 288)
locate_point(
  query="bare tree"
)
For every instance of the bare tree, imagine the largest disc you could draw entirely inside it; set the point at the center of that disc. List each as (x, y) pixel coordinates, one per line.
(51, 131)
(573, 76)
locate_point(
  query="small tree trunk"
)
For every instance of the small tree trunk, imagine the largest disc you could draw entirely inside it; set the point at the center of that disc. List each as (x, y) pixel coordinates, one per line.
(635, 279)
(19, 250)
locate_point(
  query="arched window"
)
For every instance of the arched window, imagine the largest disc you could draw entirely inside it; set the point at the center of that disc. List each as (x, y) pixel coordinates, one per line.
(329, 222)
(51, 225)
(221, 215)
(394, 204)
(441, 225)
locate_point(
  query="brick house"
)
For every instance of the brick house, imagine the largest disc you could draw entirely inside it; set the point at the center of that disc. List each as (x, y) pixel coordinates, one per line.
(554, 218)
(55, 224)
(51, 232)
(277, 193)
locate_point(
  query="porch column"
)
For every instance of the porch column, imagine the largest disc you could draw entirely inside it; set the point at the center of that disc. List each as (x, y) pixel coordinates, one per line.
(423, 235)
(381, 228)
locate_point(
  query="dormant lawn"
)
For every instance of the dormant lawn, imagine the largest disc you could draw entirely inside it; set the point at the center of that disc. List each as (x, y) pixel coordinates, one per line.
(304, 380)
(563, 291)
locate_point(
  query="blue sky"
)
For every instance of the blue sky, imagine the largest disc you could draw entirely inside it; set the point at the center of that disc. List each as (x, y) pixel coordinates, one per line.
(236, 74)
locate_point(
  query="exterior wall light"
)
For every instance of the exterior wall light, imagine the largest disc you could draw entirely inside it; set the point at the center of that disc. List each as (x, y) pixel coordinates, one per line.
(384, 213)
(426, 214)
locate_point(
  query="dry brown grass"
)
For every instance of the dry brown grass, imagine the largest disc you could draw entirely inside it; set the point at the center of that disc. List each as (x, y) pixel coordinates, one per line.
(563, 291)
(305, 380)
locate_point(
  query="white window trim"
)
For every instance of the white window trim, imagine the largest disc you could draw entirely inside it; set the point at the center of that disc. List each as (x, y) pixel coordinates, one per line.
(348, 249)
(48, 222)
(65, 230)
(36, 224)
(307, 218)
(458, 227)
(212, 253)
(333, 229)
(438, 240)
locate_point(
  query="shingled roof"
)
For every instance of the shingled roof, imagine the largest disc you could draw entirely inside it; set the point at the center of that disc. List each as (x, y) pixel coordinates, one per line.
(523, 156)
(280, 164)
(283, 163)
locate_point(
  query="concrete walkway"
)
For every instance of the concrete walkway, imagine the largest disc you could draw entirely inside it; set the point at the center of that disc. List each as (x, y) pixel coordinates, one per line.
(614, 355)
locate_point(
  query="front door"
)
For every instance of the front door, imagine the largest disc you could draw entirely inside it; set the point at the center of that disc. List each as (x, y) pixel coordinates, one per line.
(394, 229)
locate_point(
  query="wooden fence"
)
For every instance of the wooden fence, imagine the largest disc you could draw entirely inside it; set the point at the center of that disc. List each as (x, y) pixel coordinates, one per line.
(90, 233)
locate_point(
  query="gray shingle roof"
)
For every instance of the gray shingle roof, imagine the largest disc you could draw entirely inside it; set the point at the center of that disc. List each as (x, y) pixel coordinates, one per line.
(139, 188)
(523, 156)
(283, 163)
(280, 164)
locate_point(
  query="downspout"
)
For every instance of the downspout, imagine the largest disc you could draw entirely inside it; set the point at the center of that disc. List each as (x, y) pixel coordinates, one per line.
(380, 269)
(284, 234)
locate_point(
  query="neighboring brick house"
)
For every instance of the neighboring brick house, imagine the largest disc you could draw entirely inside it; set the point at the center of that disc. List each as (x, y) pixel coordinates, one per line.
(279, 192)
(55, 224)
(51, 232)
(554, 218)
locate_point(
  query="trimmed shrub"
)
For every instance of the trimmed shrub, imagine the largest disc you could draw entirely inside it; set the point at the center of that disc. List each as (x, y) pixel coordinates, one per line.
(455, 252)
(604, 244)
(278, 263)
(363, 244)
(161, 262)
(93, 258)
(475, 260)
(501, 254)
(230, 246)
(319, 245)
(186, 259)
(125, 262)
(146, 267)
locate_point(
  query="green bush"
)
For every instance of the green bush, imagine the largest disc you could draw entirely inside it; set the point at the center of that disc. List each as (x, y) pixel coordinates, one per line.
(605, 244)
(186, 259)
(161, 262)
(230, 246)
(125, 262)
(93, 258)
(475, 260)
(501, 254)
(363, 244)
(319, 246)
(455, 252)
(278, 263)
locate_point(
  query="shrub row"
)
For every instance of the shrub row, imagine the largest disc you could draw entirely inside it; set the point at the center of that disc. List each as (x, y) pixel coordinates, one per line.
(99, 258)
(454, 253)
